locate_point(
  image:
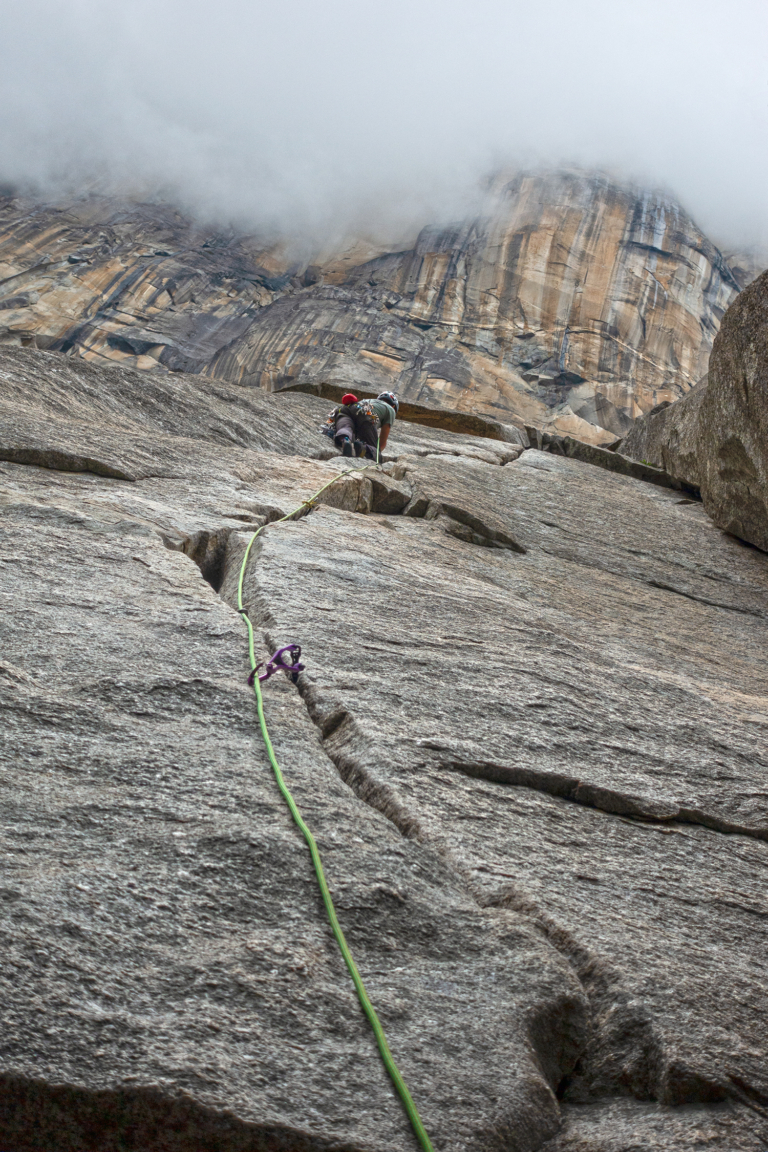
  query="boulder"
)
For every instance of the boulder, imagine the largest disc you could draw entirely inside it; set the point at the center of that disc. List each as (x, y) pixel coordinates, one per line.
(733, 420)
(667, 438)
(716, 438)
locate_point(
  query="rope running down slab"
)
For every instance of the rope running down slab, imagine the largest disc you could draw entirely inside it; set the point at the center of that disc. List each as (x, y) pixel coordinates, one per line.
(400, 1086)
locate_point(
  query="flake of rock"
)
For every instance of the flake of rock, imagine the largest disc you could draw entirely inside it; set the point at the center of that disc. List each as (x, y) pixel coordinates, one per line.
(617, 462)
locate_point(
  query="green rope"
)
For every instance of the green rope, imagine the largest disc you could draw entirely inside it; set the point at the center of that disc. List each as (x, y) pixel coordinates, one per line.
(370, 1012)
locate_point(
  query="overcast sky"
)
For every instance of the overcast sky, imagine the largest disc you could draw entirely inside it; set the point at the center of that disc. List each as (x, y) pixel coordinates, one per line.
(319, 115)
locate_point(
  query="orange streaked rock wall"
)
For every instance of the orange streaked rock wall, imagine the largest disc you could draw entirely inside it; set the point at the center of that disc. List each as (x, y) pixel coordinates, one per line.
(573, 304)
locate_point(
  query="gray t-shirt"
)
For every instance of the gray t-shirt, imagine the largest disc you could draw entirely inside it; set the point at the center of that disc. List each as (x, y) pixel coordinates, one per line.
(384, 411)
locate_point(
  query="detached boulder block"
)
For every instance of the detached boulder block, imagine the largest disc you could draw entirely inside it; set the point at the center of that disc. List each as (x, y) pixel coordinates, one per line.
(733, 420)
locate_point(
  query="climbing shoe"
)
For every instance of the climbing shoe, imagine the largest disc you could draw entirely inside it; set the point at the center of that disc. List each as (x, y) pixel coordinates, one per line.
(347, 449)
(359, 448)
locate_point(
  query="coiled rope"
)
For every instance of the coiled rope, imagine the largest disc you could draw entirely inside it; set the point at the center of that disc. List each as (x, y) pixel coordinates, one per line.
(394, 1072)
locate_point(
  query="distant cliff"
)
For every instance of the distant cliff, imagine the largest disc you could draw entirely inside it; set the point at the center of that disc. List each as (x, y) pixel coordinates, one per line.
(575, 304)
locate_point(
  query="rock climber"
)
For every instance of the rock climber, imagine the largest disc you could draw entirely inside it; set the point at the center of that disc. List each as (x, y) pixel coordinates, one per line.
(362, 427)
(373, 423)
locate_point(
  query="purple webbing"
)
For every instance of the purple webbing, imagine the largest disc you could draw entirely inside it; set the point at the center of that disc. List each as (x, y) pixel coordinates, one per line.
(277, 664)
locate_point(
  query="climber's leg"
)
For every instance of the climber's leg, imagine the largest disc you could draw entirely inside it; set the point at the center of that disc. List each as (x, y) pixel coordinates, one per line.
(368, 434)
(344, 434)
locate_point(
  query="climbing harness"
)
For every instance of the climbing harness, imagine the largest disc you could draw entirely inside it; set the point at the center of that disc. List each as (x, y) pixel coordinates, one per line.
(276, 664)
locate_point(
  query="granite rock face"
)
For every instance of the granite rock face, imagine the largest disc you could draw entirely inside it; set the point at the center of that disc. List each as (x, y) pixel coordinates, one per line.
(530, 739)
(573, 304)
(594, 300)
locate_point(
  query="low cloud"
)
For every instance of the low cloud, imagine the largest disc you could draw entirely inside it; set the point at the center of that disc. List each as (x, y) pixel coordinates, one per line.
(320, 120)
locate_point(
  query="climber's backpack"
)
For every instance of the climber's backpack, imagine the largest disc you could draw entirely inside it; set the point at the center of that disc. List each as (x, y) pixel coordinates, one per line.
(364, 411)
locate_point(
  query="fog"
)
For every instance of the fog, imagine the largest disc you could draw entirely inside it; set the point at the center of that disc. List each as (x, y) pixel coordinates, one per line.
(324, 118)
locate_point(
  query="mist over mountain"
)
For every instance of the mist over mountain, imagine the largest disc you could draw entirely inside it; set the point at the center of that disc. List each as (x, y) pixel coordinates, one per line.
(360, 118)
(573, 303)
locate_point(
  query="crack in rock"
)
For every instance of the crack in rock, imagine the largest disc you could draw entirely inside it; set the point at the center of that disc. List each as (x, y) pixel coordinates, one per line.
(592, 795)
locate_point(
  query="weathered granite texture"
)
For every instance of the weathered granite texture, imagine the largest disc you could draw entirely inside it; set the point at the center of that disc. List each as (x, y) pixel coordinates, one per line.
(733, 420)
(627, 1126)
(573, 304)
(530, 739)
